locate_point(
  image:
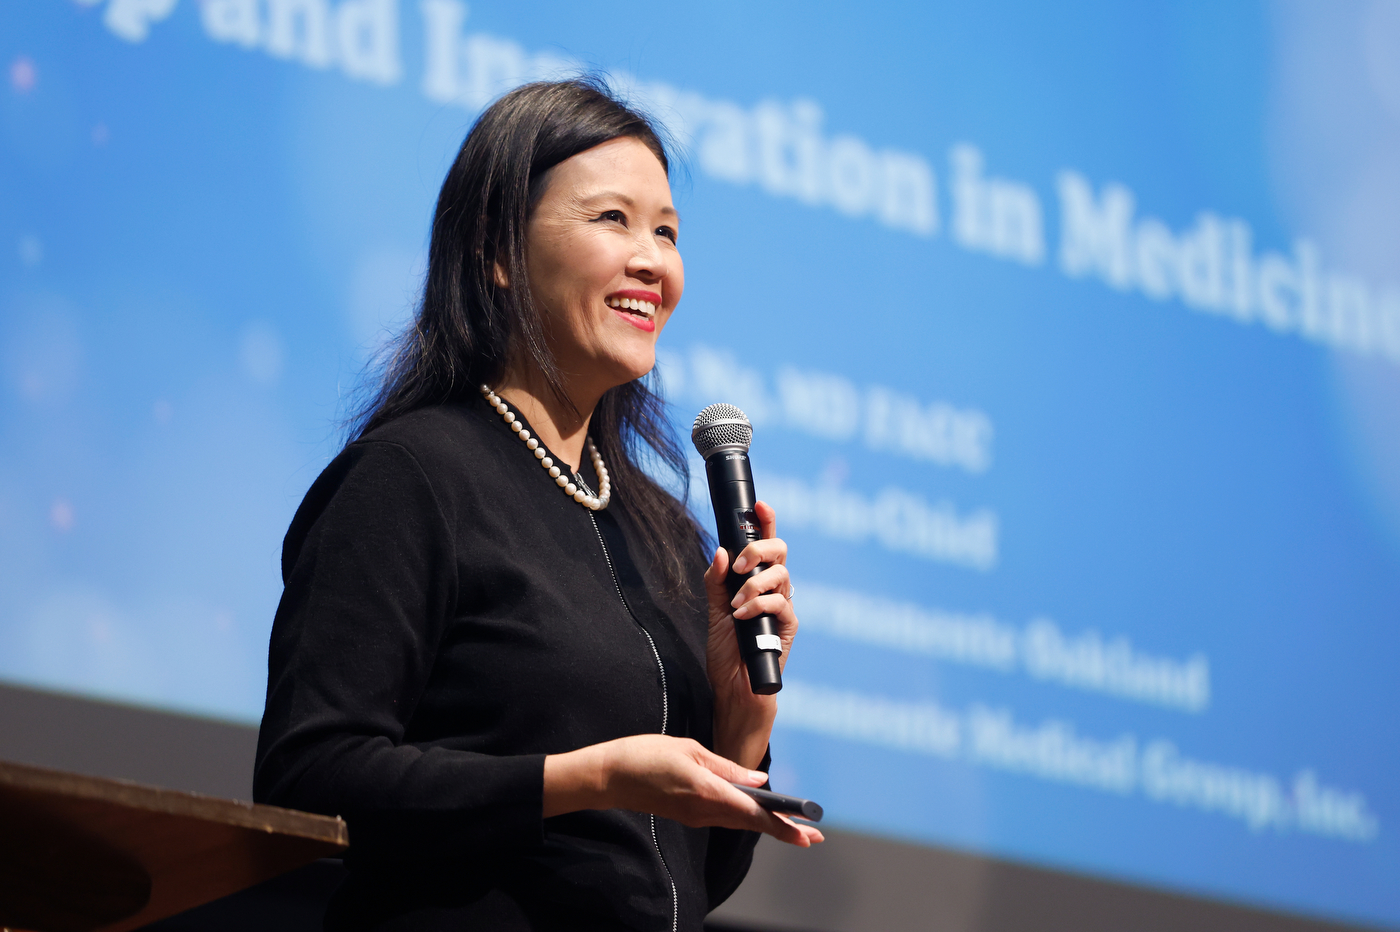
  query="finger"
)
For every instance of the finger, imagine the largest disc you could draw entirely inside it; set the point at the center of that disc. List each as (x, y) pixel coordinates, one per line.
(761, 820)
(755, 818)
(772, 603)
(767, 518)
(747, 813)
(770, 550)
(773, 579)
(784, 829)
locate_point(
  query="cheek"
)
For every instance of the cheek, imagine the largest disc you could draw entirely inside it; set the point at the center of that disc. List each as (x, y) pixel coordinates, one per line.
(661, 320)
(572, 270)
(602, 264)
(675, 280)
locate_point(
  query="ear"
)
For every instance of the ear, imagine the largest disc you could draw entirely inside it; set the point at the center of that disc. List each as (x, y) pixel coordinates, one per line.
(499, 274)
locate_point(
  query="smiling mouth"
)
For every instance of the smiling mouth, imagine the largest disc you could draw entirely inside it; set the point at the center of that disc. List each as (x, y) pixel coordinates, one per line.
(643, 309)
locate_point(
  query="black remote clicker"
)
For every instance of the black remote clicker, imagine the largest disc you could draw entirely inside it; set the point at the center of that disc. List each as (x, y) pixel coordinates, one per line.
(779, 802)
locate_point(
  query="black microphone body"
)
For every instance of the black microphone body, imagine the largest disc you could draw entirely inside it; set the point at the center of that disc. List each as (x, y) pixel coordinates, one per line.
(732, 494)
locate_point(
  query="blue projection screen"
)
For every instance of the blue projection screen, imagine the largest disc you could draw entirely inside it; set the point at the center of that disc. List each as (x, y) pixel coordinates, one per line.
(1070, 333)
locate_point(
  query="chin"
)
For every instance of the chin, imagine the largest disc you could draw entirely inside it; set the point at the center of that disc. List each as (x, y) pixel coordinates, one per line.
(632, 366)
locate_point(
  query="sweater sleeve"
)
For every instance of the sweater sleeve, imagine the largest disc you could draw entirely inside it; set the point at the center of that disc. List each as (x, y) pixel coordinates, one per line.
(370, 585)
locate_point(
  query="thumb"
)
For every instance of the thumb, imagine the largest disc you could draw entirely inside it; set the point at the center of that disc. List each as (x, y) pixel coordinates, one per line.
(767, 519)
(716, 594)
(726, 769)
(719, 566)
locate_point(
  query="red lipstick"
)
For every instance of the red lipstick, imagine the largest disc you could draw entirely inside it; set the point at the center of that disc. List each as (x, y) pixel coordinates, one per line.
(639, 295)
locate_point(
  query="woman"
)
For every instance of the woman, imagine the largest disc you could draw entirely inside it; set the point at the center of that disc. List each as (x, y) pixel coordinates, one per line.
(500, 654)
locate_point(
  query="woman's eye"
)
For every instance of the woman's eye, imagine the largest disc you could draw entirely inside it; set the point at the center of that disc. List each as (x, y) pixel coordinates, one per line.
(667, 232)
(614, 216)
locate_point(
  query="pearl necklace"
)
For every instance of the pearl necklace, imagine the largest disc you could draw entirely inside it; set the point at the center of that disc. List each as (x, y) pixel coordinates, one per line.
(593, 502)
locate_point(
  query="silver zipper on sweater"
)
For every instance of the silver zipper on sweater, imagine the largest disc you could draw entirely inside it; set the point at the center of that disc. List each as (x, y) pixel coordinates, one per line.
(665, 703)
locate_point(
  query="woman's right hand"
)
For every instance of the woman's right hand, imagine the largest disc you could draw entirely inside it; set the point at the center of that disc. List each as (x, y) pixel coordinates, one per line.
(675, 778)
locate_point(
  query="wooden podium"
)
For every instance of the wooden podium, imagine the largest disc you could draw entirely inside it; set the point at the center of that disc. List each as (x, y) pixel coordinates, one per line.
(80, 854)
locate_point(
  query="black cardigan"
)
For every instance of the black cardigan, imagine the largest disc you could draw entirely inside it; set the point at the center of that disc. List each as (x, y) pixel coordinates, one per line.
(449, 618)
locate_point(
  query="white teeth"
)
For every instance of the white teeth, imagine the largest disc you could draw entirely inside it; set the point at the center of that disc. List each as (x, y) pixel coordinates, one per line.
(645, 308)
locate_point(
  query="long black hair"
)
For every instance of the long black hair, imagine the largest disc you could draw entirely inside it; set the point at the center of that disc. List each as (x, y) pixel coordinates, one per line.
(467, 329)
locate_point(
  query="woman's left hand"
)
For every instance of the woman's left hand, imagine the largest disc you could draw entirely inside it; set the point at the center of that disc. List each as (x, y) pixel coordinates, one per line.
(742, 720)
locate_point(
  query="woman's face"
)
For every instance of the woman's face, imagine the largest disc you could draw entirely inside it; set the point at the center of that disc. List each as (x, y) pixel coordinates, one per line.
(603, 265)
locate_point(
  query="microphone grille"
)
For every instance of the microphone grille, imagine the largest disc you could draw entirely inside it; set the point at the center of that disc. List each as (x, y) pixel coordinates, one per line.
(721, 425)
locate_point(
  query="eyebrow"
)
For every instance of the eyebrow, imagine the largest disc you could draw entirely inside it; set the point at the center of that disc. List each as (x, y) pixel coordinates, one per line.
(603, 195)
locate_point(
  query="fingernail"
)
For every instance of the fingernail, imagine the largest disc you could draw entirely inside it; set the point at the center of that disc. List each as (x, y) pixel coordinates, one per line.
(736, 601)
(758, 775)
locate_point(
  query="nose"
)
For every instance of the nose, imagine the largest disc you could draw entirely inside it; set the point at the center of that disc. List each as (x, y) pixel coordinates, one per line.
(649, 261)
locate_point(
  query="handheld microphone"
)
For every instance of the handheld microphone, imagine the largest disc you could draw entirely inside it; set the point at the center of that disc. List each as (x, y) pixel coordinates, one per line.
(721, 435)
